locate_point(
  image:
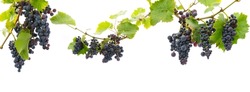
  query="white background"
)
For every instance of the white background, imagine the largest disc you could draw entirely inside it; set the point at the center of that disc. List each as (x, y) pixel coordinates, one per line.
(146, 65)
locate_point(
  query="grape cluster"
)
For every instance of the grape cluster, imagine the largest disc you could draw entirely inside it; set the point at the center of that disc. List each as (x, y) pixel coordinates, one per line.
(181, 43)
(19, 62)
(205, 33)
(229, 32)
(94, 48)
(79, 45)
(109, 50)
(36, 22)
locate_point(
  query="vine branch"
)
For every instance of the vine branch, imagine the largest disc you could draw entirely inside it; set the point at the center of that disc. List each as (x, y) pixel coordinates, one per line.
(75, 28)
(10, 33)
(221, 10)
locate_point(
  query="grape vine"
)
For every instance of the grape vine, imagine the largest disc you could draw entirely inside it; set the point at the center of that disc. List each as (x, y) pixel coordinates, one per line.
(217, 29)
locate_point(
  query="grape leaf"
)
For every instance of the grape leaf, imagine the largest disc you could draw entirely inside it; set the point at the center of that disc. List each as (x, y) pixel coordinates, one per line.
(146, 23)
(39, 4)
(84, 50)
(210, 3)
(242, 27)
(196, 34)
(180, 7)
(127, 29)
(209, 9)
(103, 26)
(195, 27)
(138, 12)
(62, 18)
(22, 43)
(149, 2)
(162, 10)
(10, 23)
(7, 1)
(72, 44)
(114, 16)
(192, 23)
(8, 14)
(4, 15)
(4, 32)
(138, 22)
(216, 37)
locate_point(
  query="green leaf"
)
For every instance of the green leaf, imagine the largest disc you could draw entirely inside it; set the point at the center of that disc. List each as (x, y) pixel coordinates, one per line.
(127, 29)
(22, 43)
(72, 44)
(103, 26)
(146, 23)
(62, 18)
(8, 14)
(125, 20)
(196, 34)
(138, 22)
(180, 7)
(84, 50)
(138, 12)
(242, 27)
(4, 32)
(216, 37)
(209, 9)
(39, 4)
(192, 23)
(149, 2)
(7, 1)
(162, 10)
(120, 13)
(210, 2)
(10, 23)
(4, 15)
(195, 27)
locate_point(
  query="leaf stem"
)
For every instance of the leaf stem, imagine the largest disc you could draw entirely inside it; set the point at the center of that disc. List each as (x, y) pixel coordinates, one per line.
(75, 28)
(221, 10)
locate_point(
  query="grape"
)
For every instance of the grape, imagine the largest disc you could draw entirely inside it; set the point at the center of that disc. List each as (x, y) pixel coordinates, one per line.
(181, 43)
(173, 54)
(94, 48)
(193, 13)
(229, 32)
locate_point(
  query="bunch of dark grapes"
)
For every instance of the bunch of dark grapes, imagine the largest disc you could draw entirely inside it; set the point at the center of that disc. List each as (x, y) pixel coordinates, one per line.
(35, 21)
(229, 32)
(38, 26)
(181, 43)
(94, 48)
(111, 49)
(79, 45)
(19, 62)
(205, 33)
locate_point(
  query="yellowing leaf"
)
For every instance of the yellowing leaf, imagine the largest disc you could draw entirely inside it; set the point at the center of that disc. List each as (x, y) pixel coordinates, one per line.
(62, 18)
